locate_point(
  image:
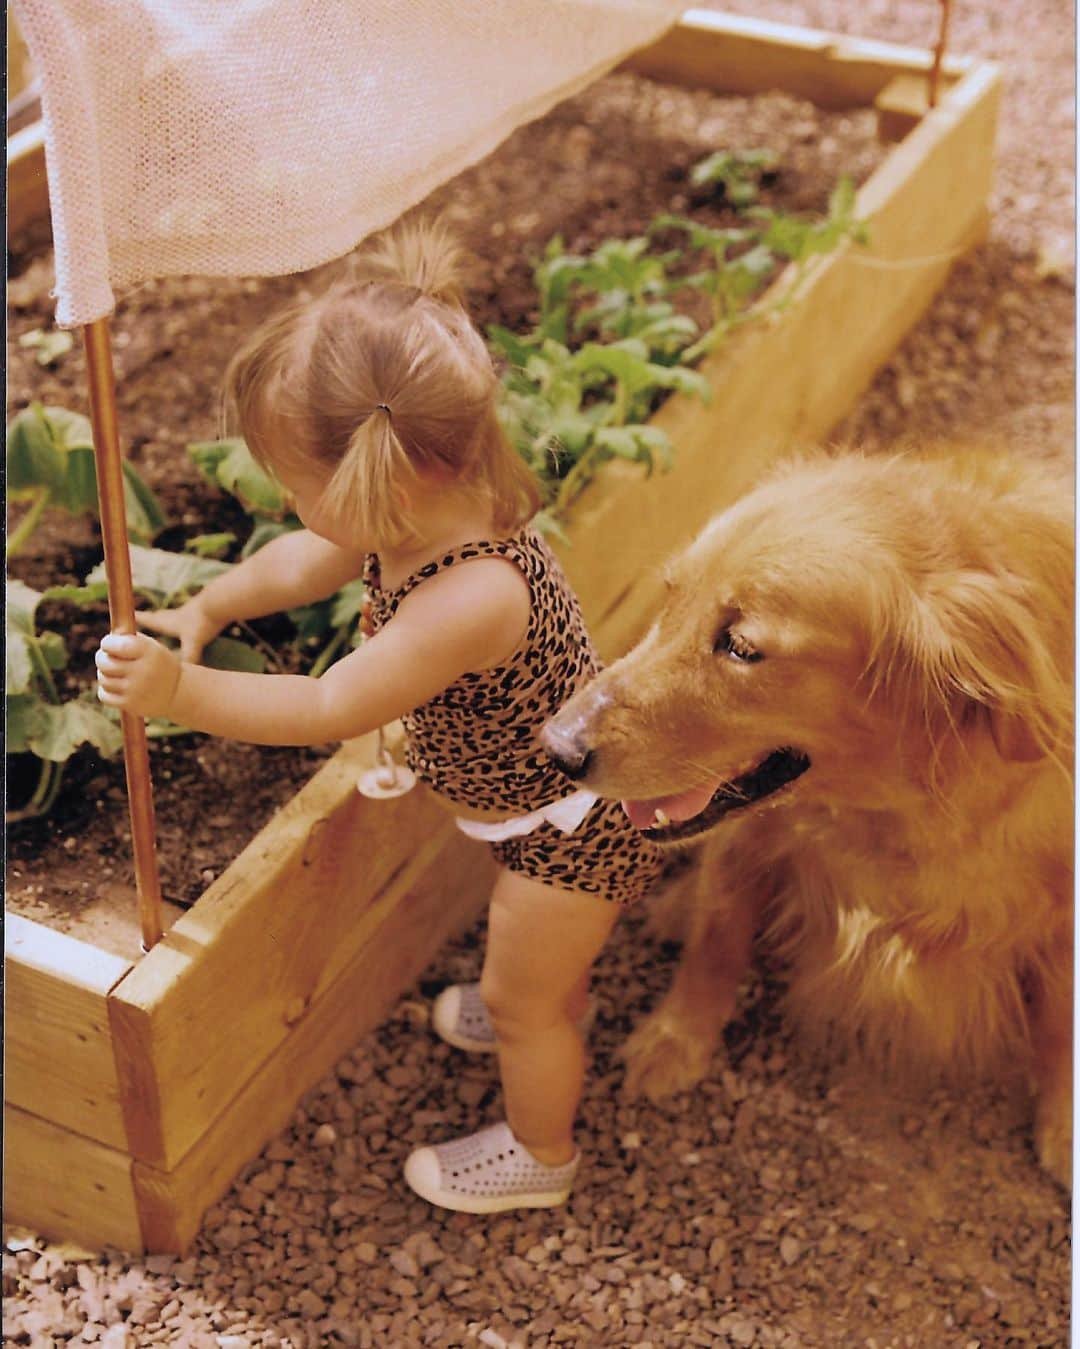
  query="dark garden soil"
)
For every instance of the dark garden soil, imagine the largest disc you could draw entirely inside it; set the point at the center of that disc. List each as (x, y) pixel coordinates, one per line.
(600, 166)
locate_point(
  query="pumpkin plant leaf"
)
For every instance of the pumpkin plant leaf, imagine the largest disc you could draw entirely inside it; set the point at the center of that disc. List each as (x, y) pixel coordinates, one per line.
(226, 653)
(231, 465)
(62, 728)
(210, 545)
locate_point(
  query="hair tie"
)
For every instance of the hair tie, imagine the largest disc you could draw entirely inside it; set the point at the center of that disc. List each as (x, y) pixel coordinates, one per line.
(382, 407)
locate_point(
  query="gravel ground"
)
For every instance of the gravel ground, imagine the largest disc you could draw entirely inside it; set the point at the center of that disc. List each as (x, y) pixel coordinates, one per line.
(786, 1203)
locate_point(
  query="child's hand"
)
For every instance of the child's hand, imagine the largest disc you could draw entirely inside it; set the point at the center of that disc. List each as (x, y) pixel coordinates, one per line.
(136, 673)
(190, 624)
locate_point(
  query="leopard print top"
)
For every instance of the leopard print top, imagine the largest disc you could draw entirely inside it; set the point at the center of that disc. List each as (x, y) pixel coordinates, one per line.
(476, 741)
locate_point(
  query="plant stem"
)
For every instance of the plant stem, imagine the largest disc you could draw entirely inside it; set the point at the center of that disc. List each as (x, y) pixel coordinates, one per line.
(327, 654)
(41, 669)
(572, 485)
(264, 646)
(45, 794)
(28, 523)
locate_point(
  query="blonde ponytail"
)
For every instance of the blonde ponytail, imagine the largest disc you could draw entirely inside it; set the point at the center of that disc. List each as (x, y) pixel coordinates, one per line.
(424, 255)
(367, 485)
(383, 381)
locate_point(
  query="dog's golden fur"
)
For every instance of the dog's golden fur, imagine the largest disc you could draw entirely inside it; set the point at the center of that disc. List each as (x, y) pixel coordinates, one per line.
(913, 616)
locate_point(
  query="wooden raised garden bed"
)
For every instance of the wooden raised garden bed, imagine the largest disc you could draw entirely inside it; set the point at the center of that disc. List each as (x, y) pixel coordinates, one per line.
(137, 1090)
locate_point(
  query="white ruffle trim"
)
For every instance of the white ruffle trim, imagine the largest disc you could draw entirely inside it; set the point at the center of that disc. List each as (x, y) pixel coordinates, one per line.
(565, 815)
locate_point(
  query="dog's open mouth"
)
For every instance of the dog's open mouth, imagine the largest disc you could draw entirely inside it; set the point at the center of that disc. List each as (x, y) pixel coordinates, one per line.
(674, 819)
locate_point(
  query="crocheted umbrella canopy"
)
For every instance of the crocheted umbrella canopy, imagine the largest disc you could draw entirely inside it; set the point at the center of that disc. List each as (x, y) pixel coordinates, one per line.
(233, 137)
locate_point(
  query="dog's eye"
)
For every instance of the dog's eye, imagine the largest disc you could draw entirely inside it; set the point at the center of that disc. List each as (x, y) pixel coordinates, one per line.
(737, 647)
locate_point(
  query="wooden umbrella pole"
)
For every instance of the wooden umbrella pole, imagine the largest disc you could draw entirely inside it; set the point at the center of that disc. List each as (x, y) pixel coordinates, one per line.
(939, 52)
(110, 481)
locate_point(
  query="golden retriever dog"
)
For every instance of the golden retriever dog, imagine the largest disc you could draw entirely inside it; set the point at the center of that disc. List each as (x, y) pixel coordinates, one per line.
(858, 692)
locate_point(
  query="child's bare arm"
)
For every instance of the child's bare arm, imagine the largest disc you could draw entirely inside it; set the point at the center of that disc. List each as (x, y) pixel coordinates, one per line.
(456, 622)
(294, 569)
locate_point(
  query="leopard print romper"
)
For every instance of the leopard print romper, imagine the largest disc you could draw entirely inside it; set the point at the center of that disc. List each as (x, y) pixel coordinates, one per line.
(476, 741)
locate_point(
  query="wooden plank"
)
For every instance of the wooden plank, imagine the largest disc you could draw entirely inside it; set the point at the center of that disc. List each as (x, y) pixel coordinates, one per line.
(788, 381)
(27, 184)
(221, 991)
(66, 1187)
(901, 106)
(20, 68)
(730, 54)
(58, 1054)
(442, 900)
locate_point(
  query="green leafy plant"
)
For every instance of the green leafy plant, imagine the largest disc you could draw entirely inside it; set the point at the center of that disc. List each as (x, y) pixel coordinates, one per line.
(743, 259)
(567, 412)
(166, 578)
(39, 720)
(48, 347)
(330, 625)
(737, 172)
(50, 463)
(610, 342)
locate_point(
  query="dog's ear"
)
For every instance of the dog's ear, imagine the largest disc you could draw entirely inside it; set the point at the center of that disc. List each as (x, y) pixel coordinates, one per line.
(984, 648)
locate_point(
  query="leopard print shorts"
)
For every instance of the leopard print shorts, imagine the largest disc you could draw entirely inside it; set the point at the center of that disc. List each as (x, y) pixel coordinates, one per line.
(605, 856)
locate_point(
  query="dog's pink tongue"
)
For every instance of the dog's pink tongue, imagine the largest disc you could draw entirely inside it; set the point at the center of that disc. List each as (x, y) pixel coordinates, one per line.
(683, 806)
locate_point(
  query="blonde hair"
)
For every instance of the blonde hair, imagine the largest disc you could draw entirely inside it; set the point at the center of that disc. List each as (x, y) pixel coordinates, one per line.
(383, 380)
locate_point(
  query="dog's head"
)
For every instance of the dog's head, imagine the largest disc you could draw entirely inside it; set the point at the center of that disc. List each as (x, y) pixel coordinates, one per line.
(853, 630)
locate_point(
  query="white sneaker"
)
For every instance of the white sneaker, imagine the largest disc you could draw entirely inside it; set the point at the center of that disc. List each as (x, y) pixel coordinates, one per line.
(461, 1018)
(487, 1172)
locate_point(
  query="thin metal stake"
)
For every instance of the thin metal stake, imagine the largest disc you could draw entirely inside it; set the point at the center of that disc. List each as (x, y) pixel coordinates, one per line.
(939, 53)
(110, 479)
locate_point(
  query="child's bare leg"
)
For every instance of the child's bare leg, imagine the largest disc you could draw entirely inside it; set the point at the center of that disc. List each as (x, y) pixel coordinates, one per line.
(541, 944)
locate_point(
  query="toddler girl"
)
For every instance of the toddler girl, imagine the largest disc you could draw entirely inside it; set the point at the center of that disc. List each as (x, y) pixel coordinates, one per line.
(374, 406)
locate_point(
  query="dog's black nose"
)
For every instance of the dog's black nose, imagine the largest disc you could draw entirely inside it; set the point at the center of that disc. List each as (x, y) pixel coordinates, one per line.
(566, 749)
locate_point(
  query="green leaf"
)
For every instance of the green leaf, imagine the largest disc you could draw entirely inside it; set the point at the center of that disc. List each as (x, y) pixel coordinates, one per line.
(548, 525)
(842, 199)
(164, 574)
(226, 653)
(22, 720)
(639, 443)
(625, 362)
(70, 430)
(21, 604)
(34, 459)
(47, 346)
(53, 448)
(230, 464)
(210, 545)
(145, 516)
(79, 495)
(61, 730)
(208, 455)
(347, 603)
(687, 381)
(514, 348)
(51, 645)
(573, 432)
(18, 667)
(311, 620)
(83, 596)
(268, 530)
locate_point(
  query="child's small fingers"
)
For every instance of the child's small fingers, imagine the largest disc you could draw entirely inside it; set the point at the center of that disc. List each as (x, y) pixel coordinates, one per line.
(107, 696)
(107, 663)
(122, 644)
(157, 620)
